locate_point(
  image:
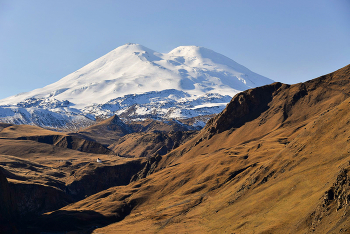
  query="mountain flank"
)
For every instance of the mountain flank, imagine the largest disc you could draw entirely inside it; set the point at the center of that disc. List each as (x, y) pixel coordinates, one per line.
(134, 82)
(34, 133)
(268, 173)
(275, 160)
(107, 131)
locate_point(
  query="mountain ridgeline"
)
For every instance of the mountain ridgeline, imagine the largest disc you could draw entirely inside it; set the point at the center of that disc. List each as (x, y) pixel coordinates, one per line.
(135, 82)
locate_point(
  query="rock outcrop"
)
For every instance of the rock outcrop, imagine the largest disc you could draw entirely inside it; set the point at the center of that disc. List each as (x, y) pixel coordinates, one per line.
(244, 107)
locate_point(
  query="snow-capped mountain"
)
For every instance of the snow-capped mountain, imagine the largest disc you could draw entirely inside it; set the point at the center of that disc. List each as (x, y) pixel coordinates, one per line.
(135, 82)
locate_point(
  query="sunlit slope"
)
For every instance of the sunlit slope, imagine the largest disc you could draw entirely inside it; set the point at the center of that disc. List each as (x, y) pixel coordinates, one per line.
(274, 161)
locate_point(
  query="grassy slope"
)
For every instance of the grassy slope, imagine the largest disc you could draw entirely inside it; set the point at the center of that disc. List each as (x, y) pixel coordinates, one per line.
(269, 175)
(261, 166)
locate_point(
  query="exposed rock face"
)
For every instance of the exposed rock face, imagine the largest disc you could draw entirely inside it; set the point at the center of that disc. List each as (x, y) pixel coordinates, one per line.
(36, 199)
(91, 179)
(148, 169)
(335, 202)
(244, 107)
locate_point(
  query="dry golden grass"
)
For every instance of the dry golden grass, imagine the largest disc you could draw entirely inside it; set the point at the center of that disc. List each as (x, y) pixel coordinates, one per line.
(263, 165)
(267, 176)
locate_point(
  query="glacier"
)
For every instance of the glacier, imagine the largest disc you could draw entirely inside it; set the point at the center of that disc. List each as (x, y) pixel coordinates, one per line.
(135, 82)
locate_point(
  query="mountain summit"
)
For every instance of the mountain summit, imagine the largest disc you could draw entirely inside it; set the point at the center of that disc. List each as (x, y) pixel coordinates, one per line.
(135, 82)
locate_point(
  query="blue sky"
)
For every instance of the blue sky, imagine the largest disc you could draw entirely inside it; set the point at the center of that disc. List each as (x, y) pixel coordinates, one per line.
(289, 41)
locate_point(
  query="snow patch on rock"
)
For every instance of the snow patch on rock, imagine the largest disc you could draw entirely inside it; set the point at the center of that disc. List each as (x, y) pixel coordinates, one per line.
(135, 82)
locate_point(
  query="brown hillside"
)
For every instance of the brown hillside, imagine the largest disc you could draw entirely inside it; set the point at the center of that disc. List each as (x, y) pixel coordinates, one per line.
(151, 125)
(276, 160)
(46, 170)
(148, 144)
(34, 133)
(107, 131)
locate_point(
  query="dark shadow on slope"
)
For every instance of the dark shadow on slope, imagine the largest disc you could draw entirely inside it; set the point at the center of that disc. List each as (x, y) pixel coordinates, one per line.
(100, 178)
(244, 107)
(79, 221)
(65, 221)
(70, 142)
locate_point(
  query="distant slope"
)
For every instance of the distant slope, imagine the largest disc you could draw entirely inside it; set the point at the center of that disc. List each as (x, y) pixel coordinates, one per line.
(110, 131)
(42, 170)
(63, 140)
(171, 125)
(148, 144)
(107, 131)
(276, 160)
(133, 81)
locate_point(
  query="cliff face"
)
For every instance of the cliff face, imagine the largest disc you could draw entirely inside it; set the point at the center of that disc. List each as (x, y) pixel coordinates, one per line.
(244, 107)
(21, 201)
(7, 207)
(91, 179)
(331, 214)
(36, 199)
